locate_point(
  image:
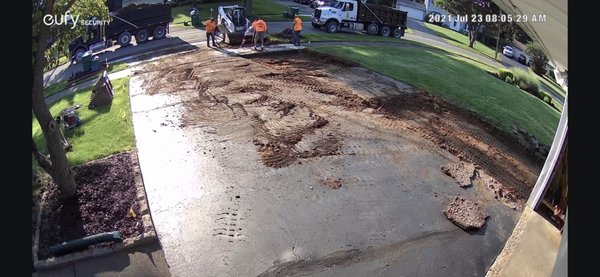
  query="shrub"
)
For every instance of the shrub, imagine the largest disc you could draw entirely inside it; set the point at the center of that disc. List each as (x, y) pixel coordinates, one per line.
(503, 73)
(509, 80)
(537, 58)
(526, 81)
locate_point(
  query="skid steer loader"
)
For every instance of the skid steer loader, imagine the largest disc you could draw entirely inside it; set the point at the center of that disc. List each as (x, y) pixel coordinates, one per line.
(232, 23)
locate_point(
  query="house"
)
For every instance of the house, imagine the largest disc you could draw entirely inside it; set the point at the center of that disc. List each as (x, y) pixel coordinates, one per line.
(430, 7)
(416, 8)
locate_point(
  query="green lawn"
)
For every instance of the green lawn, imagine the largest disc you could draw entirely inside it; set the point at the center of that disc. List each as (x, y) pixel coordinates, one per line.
(105, 131)
(115, 67)
(59, 86)
(460, 40)
(269, 10)
(461, 81)
(345, 36)
(54, 88)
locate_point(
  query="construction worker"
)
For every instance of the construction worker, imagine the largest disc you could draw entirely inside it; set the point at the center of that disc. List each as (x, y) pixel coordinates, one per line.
(210, 25)
(249, 34)
(297, 29)
(260, 28)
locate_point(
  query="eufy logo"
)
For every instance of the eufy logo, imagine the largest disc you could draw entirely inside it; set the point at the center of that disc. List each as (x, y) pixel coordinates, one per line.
(69, 20)
(63, 19)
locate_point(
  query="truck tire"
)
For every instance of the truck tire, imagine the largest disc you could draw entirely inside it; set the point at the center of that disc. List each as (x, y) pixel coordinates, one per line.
(124, 39)
(141, 36)
(78, 54)
(372, 29)
(332, 26)
(316, 26)
(397, 33)
(385, 31)
(159, 32)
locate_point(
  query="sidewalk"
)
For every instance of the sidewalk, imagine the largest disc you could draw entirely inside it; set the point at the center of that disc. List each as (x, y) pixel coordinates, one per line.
(530, 251)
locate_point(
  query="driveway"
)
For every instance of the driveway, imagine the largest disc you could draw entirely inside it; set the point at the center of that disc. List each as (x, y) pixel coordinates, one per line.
(224, 208)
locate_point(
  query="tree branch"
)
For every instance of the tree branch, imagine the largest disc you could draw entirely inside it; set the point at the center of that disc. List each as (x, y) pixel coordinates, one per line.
(41, 159)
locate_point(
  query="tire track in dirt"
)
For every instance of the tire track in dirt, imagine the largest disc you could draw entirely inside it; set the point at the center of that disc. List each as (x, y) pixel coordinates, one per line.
(301, 108)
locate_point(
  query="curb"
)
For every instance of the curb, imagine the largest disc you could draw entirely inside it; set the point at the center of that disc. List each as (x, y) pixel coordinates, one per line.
(148, 236)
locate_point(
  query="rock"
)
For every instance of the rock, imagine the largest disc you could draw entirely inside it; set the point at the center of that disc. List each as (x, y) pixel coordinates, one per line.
(465, 214)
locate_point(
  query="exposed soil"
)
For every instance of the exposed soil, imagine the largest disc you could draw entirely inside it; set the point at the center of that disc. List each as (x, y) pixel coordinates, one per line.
(467, 174)
(303, 106)
(465, 214)
(106, 192)
(463, 173)
(333, 183)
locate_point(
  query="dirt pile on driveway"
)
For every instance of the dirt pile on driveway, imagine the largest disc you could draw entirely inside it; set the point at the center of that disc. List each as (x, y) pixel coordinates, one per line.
(296, 107)
(465, 214)
(463, 173)
(333, 183)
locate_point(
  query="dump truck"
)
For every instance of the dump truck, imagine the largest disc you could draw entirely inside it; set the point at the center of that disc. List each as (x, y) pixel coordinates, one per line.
(357, 15)
(232, 23)
(142, 21)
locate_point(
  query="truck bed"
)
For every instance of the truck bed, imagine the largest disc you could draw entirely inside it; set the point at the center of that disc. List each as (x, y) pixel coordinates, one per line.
(140, 15)
(386, 14)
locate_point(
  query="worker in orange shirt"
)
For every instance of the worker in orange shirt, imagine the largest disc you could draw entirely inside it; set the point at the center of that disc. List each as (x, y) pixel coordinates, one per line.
(210, 25)
(260, 28)
(297, 30)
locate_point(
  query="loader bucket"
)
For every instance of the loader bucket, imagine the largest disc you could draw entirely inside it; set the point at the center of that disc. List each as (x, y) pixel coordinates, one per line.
(102, 93)
(229, 37)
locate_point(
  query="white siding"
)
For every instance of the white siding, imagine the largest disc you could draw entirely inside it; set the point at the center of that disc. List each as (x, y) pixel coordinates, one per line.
(412, 12)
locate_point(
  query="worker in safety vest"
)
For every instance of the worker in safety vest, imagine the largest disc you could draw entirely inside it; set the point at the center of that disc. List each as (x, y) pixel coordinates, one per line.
(260, 28)
(211, 26)
(297, 30)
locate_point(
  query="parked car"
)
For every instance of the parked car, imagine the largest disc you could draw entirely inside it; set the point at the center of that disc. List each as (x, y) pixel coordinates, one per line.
(522, 59)
(507, 51)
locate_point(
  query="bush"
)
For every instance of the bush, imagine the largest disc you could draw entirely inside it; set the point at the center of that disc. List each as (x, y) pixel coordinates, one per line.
(503, 73)
(526, 81)
(537, 58)
(509, 80)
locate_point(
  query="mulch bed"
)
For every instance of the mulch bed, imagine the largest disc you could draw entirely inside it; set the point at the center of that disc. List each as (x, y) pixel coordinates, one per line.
(106, 192)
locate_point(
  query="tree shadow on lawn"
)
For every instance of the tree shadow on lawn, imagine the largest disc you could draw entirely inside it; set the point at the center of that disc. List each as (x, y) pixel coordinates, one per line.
(442, 35)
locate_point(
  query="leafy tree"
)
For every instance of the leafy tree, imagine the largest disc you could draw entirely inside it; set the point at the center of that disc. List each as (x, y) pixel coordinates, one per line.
(472, 9)
(46, 39)
(537, 57)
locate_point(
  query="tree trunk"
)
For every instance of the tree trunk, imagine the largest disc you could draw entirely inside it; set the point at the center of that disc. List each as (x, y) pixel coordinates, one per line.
(41, 159)
(498, 41)
(473, 34)
(248, 5)
(60, 165)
